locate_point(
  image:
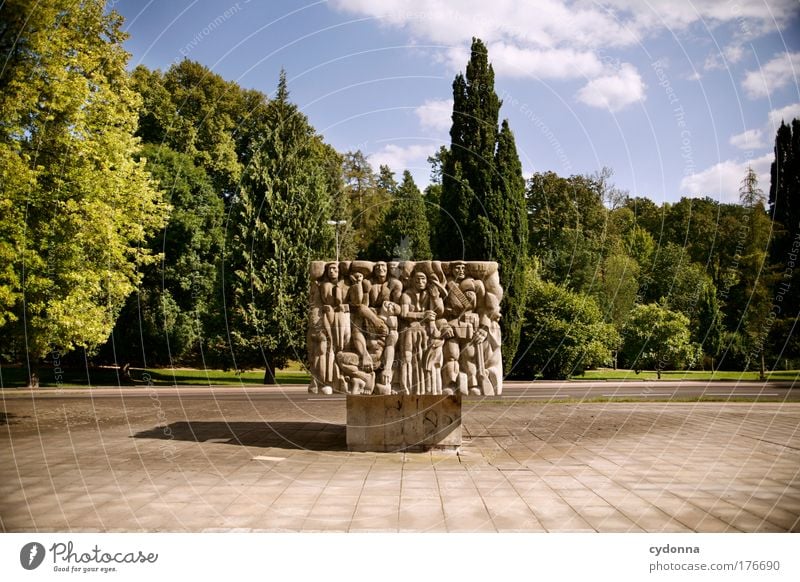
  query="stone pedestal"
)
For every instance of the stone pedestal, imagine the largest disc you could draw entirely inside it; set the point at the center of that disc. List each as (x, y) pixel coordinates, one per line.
(400, 422)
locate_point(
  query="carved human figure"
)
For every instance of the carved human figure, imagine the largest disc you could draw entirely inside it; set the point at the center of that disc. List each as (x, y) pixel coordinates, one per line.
(423, 328)
(319, 345)
(356, 380)
(384, 298)
(357, 300)
(420, 340)
(335, 322)
(464, 333)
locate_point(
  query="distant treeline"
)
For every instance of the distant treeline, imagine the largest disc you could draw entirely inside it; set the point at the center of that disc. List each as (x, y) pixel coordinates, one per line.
(155, 218)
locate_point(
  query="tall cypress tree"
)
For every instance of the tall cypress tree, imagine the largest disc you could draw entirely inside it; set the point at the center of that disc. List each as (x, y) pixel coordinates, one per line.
(784, 200)
(779, 196)
(506, 211)
(468, 173)
(483, 212)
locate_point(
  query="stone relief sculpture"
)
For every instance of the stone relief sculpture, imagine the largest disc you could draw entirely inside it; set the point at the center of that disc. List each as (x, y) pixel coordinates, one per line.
(405, 327)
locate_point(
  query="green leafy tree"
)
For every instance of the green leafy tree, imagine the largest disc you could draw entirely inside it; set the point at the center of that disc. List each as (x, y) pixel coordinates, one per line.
(367, 201)
(566, 227)
(709, 329)
(433, 192)
(197, 112)
(648, 215)
(618, 288)
(563, 333)
(77, 207)
(751, 293)
(656, 338)
(279, 226)
(167, 320)
(482, 198)
(404, 233)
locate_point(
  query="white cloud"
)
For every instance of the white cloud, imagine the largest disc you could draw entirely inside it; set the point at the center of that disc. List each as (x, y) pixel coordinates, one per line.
(400, 158)
(751, 18)
(545, 23)
(748, 140)
(512, 61)
(783, 114)
(569, 39)
(730, 55)
(614, 91)
(578, 24)
(774, 75)
(435, 115)
(723, 180)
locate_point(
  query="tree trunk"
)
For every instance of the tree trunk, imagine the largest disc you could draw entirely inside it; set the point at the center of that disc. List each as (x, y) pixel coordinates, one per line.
(761, 371)
(269, 372)
(125, 373)
(658, 373)
(33, 376)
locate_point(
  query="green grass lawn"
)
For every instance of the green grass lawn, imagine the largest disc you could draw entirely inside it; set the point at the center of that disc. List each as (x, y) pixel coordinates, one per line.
(16, 377)
(608, 374)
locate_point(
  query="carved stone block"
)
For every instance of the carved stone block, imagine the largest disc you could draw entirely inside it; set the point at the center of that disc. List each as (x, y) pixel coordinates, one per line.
(405, 327)
(400, 422)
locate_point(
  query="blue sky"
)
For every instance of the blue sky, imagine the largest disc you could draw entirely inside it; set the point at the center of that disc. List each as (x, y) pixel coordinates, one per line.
(677, 97)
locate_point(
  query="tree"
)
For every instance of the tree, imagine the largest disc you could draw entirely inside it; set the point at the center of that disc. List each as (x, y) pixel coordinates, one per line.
(618, 288)
(505, 230)
(167, 320)
(563, 333)
(469, 172)
(278, 227)
(367, 202)
(482, 212)
(433, 192)
(656, 338)
(709, 330)
(196, 112)
(404, 233)
(77, 206)
(784, 191)
(784, 201)
(751, 292)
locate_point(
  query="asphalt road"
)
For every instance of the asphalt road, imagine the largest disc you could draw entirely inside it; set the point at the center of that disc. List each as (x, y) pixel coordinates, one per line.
(538, 391)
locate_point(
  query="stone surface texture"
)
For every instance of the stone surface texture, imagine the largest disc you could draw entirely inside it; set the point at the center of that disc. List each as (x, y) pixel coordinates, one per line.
(402, 422)
(230, 462)
(405, 327)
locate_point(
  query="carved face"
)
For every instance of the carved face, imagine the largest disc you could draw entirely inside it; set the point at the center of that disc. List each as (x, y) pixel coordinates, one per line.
(420, 281)
(459, 271)
(332, 271)
(380, 270)
(358, 277)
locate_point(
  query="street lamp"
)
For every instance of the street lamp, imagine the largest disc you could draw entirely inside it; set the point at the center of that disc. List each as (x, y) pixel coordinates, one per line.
(336, 224)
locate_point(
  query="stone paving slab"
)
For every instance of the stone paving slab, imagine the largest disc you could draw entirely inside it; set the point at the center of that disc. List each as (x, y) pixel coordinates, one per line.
(202, 465)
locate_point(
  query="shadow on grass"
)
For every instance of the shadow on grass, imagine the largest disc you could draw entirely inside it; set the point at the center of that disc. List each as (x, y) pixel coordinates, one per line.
(313, 436)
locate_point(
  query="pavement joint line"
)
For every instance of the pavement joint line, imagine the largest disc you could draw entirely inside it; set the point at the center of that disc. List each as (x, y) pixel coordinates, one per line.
(625, 394)
(743, 394)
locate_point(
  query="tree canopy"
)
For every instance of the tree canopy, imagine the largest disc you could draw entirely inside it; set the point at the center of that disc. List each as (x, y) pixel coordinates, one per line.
(77, 206)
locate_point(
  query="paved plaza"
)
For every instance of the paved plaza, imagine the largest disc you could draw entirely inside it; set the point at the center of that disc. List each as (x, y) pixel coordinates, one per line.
(237, 464)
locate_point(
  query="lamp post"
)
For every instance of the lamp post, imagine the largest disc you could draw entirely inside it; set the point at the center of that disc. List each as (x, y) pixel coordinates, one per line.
(336, 224)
